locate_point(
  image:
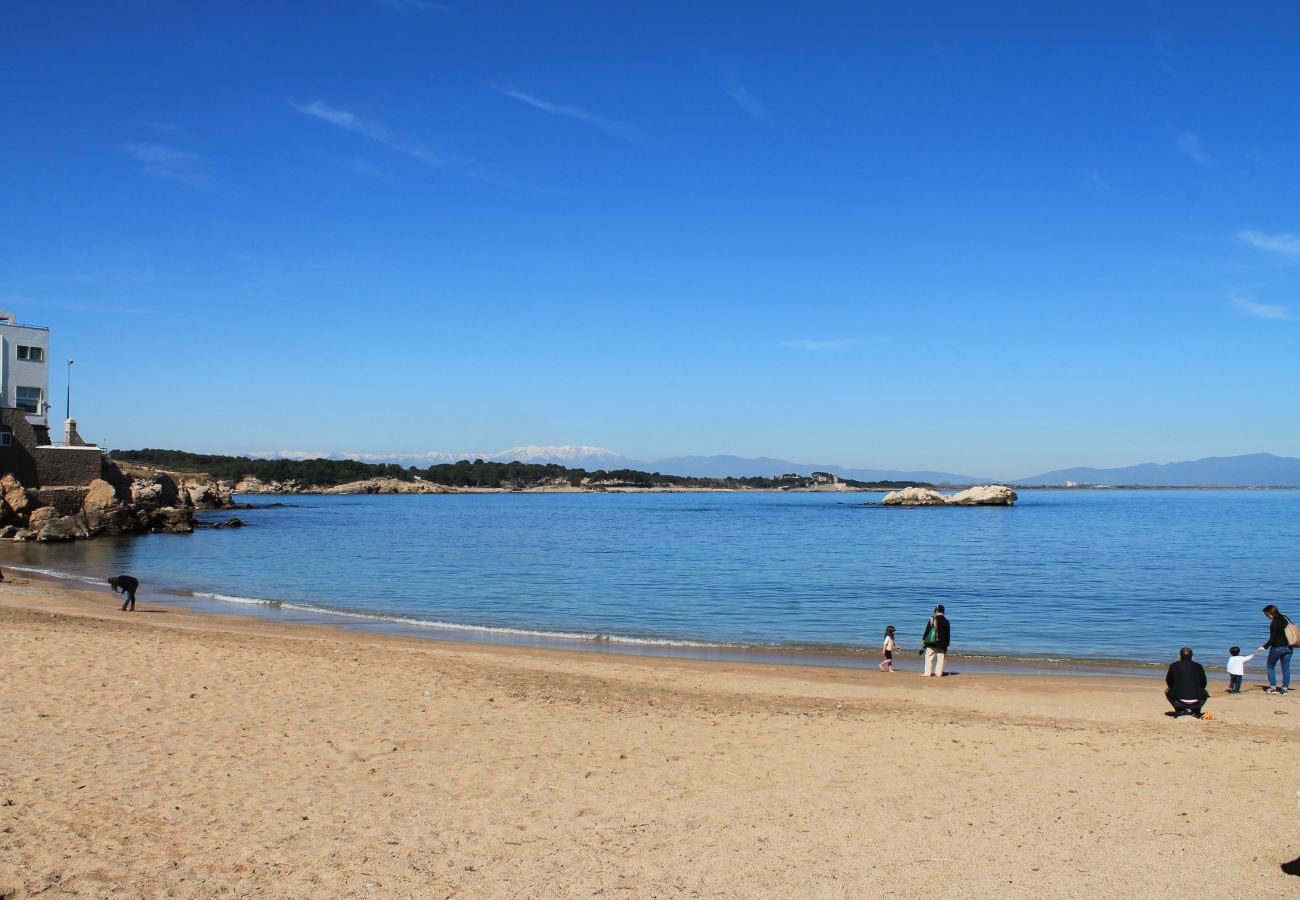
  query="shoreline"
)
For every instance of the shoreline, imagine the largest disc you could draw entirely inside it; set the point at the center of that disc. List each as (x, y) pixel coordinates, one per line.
(291, 615)
(197, 755)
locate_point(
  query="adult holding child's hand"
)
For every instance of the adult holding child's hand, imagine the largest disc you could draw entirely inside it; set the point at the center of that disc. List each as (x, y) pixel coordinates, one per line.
(1279, 647)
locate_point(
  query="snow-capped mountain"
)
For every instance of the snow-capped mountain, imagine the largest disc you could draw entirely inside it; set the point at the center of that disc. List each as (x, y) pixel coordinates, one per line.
(574, 457)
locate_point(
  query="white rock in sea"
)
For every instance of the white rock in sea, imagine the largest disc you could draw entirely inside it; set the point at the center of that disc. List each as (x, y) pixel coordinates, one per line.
(983, 495)
(913, 496)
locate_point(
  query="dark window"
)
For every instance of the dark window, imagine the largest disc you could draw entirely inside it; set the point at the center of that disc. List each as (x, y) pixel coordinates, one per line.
(28, 398)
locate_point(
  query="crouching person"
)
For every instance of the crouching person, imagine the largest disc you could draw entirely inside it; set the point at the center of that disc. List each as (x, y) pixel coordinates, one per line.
(1186, 684)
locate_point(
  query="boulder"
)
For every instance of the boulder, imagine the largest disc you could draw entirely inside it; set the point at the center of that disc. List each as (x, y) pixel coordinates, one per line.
(104, 512)
(61, 529)
(7, 532)
(161, 490)
(207, 495)
(40, 517)
(16, 499)
(913, 496)
(176, 520)
(984, 495)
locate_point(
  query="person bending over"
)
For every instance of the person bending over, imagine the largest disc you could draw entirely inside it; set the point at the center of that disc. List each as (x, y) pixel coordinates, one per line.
(1186, 685)
(126, 586)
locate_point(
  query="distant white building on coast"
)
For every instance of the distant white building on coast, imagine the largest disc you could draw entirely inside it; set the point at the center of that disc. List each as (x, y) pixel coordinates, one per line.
(26, 451)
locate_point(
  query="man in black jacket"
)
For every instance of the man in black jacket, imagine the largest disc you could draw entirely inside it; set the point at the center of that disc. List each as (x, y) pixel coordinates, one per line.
(1186, 685)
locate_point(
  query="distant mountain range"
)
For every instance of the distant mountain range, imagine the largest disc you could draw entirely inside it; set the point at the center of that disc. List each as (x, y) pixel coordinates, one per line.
(1249, 470)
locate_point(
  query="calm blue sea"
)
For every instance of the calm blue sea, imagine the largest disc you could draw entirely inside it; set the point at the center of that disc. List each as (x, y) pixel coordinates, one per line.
(1126, 575)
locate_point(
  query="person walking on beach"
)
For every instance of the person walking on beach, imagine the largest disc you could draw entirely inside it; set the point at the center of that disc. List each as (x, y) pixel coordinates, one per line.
(1185, 685)
(1236, 669)
(937, 636)
(887, 651)
(126, 586)
(1279, 647)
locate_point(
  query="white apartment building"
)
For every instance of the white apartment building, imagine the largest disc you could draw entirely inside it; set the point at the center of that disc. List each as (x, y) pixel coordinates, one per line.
(25, 370)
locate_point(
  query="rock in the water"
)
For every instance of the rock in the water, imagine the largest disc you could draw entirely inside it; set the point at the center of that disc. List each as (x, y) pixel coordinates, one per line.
(913, 496)
(984, 495)
(63, 528)
(160, 490)
(172, 519)
(208, 494)
(981, 495)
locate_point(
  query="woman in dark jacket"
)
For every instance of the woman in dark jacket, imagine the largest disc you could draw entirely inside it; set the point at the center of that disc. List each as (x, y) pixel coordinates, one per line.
(937, 636)
(1279, 650)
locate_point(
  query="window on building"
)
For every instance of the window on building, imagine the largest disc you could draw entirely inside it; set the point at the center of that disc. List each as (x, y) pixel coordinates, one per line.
(33, 354)
(28, 398)
(6, 436)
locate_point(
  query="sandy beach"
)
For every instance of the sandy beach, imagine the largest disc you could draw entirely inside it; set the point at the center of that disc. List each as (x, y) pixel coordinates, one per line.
(167, 753)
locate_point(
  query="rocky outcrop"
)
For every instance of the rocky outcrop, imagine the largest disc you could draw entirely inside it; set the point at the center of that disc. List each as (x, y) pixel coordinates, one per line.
(980, 495)
(61, 529)
(105, 511)
(171, 519)
(913, 496)
(114, 504)
(983, 495)
(386, 486)
(209, 494)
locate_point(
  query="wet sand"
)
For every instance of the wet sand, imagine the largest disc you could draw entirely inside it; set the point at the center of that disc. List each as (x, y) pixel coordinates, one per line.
(167, 752)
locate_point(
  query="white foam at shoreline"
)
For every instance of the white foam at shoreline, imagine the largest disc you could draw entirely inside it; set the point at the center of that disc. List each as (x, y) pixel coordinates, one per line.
(538, 634)
(585, 637)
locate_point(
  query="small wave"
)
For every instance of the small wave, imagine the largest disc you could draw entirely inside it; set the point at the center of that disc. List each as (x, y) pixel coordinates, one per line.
(583, 636)
(54, 573)
(226, 598)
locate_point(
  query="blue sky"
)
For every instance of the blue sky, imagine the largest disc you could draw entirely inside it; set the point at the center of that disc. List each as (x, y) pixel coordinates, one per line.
(995, 238)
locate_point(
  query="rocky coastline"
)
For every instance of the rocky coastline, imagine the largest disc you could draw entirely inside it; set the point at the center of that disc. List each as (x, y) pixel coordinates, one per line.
(114, 504)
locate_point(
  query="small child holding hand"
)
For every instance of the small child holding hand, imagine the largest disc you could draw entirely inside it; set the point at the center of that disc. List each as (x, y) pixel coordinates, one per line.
(1236, 668)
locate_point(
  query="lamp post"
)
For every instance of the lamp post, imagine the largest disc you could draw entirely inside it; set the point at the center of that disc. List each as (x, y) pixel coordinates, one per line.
(69, 402)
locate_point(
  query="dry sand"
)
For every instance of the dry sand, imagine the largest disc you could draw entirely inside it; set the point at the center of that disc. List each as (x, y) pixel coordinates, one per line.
(165, 753)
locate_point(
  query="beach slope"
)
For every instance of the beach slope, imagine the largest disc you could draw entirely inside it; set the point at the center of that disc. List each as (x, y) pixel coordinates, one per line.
(169, 753)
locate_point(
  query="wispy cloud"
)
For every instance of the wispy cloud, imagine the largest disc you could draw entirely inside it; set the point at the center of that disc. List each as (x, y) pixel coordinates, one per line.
(169, 163)
(1095, 181)
(1255, 310)
(341, 118)
(818, 345)
(1286, 244)
(1189, 145)
(737, 91)
(618, 129)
